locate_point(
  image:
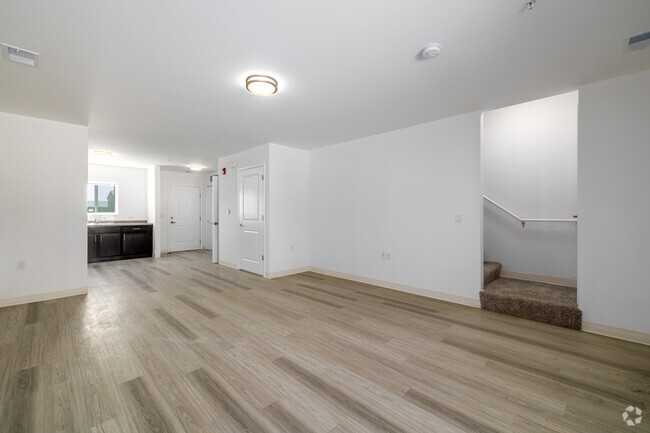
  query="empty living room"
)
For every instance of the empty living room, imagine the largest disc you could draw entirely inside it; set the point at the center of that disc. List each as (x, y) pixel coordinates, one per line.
(324, 217)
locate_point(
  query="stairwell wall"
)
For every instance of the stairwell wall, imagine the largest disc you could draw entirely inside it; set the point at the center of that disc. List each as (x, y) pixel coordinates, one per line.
(529, 164)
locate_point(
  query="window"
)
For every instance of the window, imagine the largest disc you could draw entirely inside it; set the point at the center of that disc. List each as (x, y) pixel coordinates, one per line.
(101, 198)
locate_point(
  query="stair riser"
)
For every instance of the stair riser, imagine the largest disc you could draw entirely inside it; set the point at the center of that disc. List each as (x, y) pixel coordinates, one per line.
(491, 271)
(567, 317)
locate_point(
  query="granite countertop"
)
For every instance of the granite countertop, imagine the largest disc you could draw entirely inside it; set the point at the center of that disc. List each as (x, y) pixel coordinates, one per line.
(120, 223)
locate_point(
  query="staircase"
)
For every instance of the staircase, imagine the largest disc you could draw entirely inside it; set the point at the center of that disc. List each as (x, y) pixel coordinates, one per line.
(547, 303)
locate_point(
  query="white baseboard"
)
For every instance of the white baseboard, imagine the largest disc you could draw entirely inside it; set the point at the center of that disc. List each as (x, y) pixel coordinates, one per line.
(156, 256)
(228, 264)
(539, 278)
(470, 302)
(614, 332)
(47, 296)
(279, 274)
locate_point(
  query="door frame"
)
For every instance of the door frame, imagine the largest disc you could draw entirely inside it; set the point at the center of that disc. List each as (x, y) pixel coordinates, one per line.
(214, 228)
(266, 219)
(169, 203)
(208, 217)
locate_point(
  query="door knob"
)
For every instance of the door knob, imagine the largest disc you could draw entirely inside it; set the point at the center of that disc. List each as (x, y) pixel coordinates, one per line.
(216, 223)
(241, 225)
(173, 222)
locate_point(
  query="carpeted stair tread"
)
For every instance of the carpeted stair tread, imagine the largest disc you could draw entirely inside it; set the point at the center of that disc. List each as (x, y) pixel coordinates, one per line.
(491, 271)
(551, 293)
(547, 303)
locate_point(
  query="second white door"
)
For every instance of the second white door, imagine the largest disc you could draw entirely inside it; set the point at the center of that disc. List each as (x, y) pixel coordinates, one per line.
(250, 183)
(184, 218)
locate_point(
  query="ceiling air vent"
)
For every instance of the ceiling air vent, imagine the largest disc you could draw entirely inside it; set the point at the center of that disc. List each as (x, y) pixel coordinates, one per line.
(639, 41)
(18, 55)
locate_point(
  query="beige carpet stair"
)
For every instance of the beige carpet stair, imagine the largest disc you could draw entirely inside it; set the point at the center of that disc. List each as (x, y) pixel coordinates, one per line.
(547, 303)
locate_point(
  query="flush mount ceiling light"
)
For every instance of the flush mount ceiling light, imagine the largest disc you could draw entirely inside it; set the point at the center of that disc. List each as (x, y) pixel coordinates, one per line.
(261, 85)
(19, 55)
(103, 153)
(196, 167)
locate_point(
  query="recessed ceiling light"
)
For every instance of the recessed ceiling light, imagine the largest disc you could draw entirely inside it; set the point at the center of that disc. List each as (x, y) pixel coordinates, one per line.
(196, 167)
(103, 153)
(261, 85)
(19, 55)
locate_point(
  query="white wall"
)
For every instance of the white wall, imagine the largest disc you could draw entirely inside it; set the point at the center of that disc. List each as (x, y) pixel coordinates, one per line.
(614, 202)
(153, 206)
(228, 209)
(131, 190)
(529, 163)
(288, 216)
(168, 178)
(43, 171)
(399, 192)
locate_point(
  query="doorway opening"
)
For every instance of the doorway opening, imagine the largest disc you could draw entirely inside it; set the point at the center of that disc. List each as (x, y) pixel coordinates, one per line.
(529, 175)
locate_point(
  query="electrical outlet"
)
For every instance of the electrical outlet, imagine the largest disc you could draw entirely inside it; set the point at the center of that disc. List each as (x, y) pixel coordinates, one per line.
(458, 219)
(20, 265)
(292, 248)
(387, 255)
(382, 255)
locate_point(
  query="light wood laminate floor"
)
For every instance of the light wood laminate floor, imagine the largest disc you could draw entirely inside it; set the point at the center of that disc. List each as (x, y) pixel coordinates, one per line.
(181, 345)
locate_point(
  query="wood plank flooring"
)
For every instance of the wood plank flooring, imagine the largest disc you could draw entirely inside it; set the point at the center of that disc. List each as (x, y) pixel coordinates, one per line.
(181, 345)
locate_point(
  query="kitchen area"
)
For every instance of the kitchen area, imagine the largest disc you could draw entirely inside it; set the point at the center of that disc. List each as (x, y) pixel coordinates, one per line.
(128, 209)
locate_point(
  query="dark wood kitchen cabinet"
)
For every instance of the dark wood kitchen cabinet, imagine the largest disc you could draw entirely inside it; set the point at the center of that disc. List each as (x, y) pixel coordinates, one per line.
(117, 242)
(109, 245)
(92, 245)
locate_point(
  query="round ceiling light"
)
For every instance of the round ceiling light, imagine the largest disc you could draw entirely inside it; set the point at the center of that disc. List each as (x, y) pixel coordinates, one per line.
(261, 85)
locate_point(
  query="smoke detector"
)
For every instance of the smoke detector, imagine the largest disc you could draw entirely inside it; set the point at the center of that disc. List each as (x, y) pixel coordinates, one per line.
(431, 51)
(20, 55)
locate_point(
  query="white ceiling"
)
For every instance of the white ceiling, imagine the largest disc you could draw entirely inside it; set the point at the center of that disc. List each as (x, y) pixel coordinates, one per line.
(161, 81)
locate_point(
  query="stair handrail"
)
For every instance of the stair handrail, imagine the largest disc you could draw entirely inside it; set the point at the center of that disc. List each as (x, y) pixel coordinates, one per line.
(523, 221)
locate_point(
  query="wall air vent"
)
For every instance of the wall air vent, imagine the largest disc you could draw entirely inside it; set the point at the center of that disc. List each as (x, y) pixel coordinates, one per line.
(18, 55)
(639, 41)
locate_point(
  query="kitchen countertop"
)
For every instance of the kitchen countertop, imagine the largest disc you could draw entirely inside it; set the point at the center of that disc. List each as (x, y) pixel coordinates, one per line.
(119, 223)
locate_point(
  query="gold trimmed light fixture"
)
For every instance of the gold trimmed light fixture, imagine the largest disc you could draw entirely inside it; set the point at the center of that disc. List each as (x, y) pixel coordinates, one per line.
(261, 85)
(103, 153)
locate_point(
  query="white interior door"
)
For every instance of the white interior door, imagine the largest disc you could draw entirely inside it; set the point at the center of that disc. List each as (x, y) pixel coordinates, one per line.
(250, 184)
(184, 218)
(215, 219)
(208, 217)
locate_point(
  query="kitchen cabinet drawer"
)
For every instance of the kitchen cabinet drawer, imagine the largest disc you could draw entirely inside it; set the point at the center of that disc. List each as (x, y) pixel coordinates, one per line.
(132, 229)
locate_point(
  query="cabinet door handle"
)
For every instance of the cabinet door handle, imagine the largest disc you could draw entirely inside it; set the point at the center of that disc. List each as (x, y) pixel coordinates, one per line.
(101, 238)
(123, 237)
